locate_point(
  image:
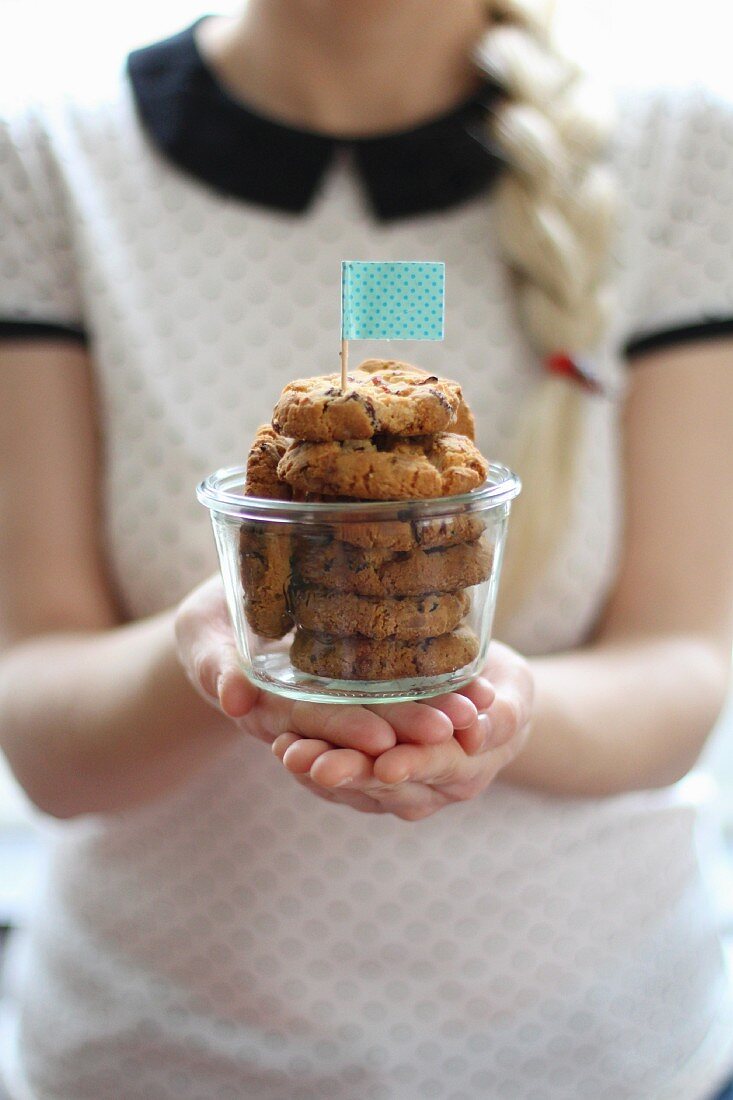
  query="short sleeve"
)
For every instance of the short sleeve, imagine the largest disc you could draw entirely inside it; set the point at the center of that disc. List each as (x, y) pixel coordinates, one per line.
(39, 289)
(676, 171)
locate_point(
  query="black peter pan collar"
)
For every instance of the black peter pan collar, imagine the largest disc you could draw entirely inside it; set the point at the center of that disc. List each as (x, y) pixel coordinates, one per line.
(202, 130)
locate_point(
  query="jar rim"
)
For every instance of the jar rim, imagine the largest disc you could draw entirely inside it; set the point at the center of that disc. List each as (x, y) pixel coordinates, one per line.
(215, 493)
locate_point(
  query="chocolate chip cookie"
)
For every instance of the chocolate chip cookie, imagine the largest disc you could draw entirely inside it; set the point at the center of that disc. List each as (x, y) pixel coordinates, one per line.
(464, 422)
(344, 568)
(264, 555)
(404, 618)
(264, 559)
(413, 534)
(386, 467)
(382, 397)
(407, 534)
(268, 447)
(354, 658)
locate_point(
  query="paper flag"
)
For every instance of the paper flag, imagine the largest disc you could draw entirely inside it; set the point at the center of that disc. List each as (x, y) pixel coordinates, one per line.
(392, 301)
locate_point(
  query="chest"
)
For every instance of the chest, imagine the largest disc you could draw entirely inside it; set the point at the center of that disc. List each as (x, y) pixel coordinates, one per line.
(203, 307)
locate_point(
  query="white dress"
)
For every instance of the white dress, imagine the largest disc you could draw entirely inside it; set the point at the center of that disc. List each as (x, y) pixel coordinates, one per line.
(241, 938)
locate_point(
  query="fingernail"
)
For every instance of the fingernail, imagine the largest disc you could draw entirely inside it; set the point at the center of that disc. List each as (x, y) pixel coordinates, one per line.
(219, 682)
(484, 723)
(346, 781)
(401, 777)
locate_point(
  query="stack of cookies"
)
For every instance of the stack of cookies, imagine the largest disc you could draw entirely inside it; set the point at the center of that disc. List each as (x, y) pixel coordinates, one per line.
(370, 600)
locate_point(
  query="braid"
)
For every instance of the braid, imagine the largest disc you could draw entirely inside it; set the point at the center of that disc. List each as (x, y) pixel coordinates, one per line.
(555, 211)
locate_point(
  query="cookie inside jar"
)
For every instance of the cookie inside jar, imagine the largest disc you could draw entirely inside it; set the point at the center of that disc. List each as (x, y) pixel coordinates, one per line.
(369, 600)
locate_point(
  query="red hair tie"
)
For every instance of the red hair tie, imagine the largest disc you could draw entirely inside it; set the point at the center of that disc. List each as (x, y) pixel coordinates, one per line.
(577, 370)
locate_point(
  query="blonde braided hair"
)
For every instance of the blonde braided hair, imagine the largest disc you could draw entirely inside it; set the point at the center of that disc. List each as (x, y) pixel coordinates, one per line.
(554, 215)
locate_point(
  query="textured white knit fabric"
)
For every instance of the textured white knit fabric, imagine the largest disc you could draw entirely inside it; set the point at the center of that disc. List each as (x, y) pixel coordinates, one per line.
(243, 939)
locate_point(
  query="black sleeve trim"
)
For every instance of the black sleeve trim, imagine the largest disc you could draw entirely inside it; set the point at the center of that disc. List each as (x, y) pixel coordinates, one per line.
(711, 329)
(41, 330)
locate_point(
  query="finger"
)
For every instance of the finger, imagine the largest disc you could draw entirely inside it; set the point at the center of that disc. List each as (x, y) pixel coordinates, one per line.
(236, 694)
(507, 715)
(419, 802)
(206, 649)
(480, 691)
(300, 757)
(282, 743)
(342, 768)
(420, 763)
(410, 801)
(347, 776)
(209, 656)
(355, 799)
(459, 709)
(477, 738)
(351, 727)
(418, 723)
(214, 668)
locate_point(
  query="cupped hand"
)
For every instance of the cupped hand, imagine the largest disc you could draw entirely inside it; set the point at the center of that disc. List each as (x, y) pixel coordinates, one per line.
(208, 653)
(413, 781)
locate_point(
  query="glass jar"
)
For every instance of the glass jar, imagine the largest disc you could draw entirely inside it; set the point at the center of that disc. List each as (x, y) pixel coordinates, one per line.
(360, 601)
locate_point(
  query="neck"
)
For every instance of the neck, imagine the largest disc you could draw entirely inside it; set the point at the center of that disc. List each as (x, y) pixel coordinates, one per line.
(347, 66)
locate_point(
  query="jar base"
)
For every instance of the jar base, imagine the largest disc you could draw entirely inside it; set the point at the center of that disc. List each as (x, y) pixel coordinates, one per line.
(273, 672)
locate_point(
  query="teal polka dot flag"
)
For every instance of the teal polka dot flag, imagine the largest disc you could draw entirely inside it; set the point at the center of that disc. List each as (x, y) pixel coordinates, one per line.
(392, 301)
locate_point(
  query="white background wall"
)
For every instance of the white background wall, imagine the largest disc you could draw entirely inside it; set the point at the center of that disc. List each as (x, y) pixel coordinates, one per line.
(59, 43)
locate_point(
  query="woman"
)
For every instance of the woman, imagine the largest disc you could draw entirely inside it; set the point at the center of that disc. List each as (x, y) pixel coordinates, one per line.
(170, 259)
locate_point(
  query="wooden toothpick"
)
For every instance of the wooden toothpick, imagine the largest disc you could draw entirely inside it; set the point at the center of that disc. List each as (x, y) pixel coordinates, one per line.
(344, 363)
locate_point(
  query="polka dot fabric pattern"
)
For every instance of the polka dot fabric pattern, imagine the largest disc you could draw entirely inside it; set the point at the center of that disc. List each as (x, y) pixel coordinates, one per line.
(392, 301)
(680, 151)
(38, 280)
(241, 938)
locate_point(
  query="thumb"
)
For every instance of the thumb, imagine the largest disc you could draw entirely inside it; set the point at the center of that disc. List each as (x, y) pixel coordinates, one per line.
(219, 675)
(207, 650)
(235, 693)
